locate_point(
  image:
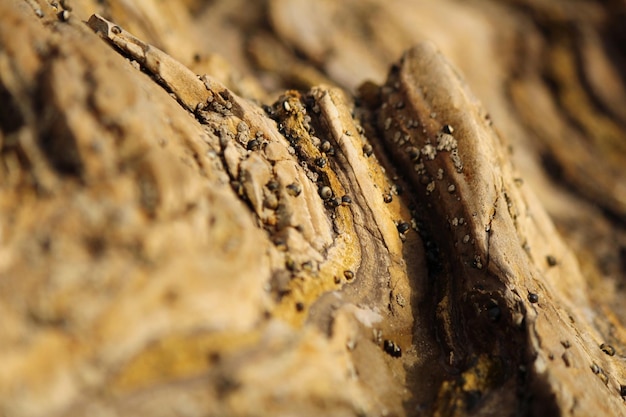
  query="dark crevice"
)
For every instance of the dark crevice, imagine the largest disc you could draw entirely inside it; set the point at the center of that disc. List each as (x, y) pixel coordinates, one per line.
(55, 137)
(614, 38)
(11, 118)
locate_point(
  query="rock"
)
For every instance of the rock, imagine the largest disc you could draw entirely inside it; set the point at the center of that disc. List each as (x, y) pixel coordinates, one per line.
(172, 247)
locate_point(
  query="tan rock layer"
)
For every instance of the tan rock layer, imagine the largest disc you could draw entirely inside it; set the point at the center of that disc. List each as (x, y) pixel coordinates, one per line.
(512, 305)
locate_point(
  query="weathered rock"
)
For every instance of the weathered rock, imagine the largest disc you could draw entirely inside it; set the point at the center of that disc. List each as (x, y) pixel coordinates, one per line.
(512, 300)
(193, 253)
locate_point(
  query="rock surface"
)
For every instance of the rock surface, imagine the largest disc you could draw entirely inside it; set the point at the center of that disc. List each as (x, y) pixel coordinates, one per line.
(277, 238)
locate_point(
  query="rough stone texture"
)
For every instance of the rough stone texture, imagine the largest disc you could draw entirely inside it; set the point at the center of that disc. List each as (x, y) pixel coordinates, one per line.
(276, 238)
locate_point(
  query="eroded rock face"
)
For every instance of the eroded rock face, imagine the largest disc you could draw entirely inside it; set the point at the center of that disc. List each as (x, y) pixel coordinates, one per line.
(196, 253)
(511, 297)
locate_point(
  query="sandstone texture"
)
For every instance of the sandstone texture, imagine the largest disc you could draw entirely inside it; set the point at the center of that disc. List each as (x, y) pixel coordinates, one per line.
(304, 208)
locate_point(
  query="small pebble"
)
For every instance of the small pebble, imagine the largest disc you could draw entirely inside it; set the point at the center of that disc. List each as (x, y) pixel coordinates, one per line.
(595, 369)
(403, 227)
(253, 145)
(392, 349)
(608, 349)
(64, 16)
(326, 193)
(294, 189)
